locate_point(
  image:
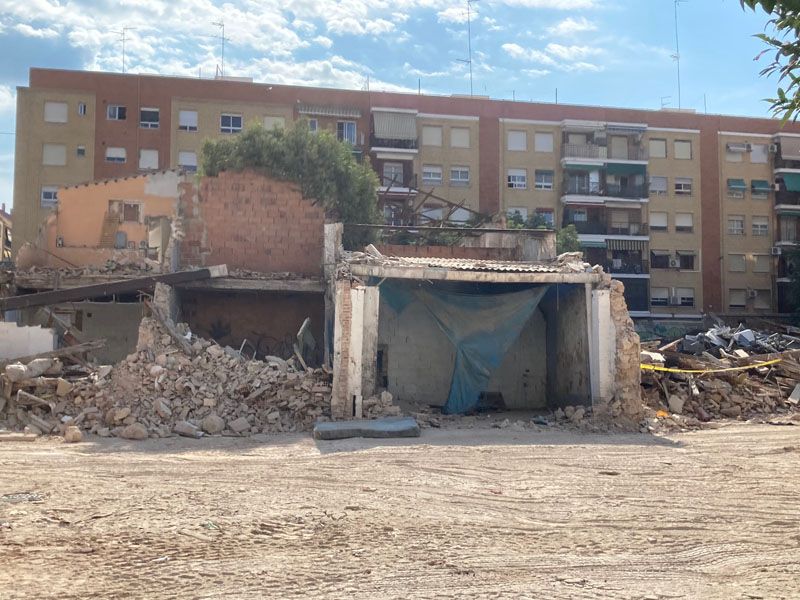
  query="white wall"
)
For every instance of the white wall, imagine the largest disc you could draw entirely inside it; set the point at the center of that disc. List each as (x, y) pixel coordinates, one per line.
(18, 341)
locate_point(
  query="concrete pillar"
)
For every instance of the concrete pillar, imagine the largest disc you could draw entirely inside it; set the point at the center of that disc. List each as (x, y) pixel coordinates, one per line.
(356, 358)
(340, 400)
(369, 346)
(332, 243)
(602, 349)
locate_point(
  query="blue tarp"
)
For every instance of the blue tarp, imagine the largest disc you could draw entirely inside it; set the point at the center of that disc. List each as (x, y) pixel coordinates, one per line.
(481, 328)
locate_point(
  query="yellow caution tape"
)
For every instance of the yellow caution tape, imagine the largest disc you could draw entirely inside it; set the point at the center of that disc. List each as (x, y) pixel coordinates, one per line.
(649, 367)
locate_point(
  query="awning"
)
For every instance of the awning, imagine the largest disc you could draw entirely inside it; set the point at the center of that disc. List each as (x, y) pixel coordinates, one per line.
(660, 252)
(593, 244)
(320, 110)
(395, 125)
(580, 167)
(790, 147)
(627, 244)
(792, 181)
(686, 252)
(761, 185)
(625, 169)
(737, 184)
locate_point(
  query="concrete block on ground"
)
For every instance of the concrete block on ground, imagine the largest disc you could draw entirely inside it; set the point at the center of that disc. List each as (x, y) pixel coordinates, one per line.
(379, 428)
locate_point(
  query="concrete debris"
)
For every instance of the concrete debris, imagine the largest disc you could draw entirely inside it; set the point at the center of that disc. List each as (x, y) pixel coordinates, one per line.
(73, 435)
(160, 390)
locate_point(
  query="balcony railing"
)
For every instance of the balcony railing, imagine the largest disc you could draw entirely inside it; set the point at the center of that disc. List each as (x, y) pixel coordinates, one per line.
(605, 228)
(785, 197)
(594, 152)
(399, 182)
(600, 189)
(376, 142)
(785, 163)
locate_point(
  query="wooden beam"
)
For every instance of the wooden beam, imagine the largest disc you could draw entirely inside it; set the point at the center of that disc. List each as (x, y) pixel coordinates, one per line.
(61, 352)
(442, 274)
(103, 290)
(232, 284)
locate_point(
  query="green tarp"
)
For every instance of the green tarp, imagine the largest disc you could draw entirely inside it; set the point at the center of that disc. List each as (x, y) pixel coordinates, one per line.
(792, 181)
(625, 169)
(736, 184)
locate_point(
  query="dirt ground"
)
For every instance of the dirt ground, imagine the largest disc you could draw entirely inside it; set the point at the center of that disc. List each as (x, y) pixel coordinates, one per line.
(482, 513)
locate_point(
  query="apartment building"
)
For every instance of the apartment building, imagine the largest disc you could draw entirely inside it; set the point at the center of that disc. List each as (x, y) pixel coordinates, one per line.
(692, 212)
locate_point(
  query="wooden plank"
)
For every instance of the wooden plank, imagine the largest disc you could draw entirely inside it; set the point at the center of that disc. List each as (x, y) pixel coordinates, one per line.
(176, 337)
(60, 353)
(18, 437)
(232, 284)
(104, 290)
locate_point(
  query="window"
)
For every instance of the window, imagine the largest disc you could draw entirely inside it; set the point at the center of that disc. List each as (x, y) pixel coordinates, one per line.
(658, 185)
(346, 131)
(686, 260)
(273, 122)
(431, 135)
(393, 174)
(54, 155)
(543, 180)
(518, 210)
(80, 151)
(760, 226)
(116, 112)
(517, 179)
(187, 161)
(658, 148)
(543, 142)
(82, 109)
(229, 123)
(432, 174)
(517, 141)
(548, 215)
(459, 176)
(148, 159)
(763, 263)
(733, 156)
(313, 125)
(659, 296)
(736, 188)
(789, 228)
(759, 189)
(434, 213)
(659, 259)
(55, 112)
(683, 186)
(580, 215)
(459, 137)
(148, 118)
(683, 149)
(131, 211)
(737, 298)
(736, 225)
(187, 120)
(759, 154)
(576, 139)
(737, 263)
(684, 222)
(658, 221)
(49, 196)
(763, 300)
(685, 296)
(116, 155)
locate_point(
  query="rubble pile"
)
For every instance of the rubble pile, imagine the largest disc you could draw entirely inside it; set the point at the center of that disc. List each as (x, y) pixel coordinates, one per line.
(721, 373)
(167, 387)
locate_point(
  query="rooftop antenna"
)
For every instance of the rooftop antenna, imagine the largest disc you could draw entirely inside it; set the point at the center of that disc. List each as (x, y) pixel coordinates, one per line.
(468, 61)
(665, 101)
(221, 25)
(123, 33)
(677, 55)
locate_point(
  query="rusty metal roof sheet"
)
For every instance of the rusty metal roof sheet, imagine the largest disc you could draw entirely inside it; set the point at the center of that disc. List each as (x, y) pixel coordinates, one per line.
(467, 264)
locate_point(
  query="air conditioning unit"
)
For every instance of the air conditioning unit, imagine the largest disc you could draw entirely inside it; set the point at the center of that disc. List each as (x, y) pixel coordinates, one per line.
(59, 242)
(675, 300)
(775, 251)
(773, 148)
(752, 294)
(674, 263)
(737, 147)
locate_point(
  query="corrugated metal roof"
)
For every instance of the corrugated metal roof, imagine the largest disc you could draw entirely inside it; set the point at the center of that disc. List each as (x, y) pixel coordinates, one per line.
(467, 264)
(329, 111)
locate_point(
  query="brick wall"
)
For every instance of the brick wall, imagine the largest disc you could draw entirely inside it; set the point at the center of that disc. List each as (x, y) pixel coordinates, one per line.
(340, 402)
(249, 221)
(450, 252)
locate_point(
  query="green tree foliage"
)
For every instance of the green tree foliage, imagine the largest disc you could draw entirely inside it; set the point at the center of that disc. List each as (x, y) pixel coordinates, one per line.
(535, 221)
(784, 41)
(323, 166)
(567, 240)
(792, 259)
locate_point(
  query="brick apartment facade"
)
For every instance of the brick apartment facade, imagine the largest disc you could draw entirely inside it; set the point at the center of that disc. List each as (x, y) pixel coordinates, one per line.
(692, 212)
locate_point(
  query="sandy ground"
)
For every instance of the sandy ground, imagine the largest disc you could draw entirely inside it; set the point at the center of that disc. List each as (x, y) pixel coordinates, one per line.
(482, 513)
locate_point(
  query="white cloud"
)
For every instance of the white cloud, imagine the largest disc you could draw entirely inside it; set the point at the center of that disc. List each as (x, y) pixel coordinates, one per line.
(453, 14)
(28, 31)
(536, 72)
(569, 27)
(491, 24)
(323, 41)
(555, 4)
(420, 73)
(8, 99)
(571, 53)
(565, 58)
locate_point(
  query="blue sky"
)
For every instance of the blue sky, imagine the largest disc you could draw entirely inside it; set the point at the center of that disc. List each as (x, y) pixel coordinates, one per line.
(610, 52)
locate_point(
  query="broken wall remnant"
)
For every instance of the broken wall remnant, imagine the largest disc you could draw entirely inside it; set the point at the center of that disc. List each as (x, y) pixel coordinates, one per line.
(25, 341)
(251, 221)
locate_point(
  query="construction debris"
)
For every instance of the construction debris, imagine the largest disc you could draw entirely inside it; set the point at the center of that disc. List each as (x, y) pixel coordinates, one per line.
(174, 384)
(724, 372)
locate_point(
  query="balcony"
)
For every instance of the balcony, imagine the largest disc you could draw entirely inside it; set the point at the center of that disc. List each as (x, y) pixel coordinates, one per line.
(606, 228)
(595, 152)
(787, 198)
(376, 142)
(587, 188)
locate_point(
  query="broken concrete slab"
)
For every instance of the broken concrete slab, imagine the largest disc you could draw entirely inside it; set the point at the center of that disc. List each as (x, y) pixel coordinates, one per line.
(388, 427)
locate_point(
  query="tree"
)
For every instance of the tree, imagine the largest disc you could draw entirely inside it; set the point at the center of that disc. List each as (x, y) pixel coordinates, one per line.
(323, 166)
(567, 240)
(784, 41)
(515, 220)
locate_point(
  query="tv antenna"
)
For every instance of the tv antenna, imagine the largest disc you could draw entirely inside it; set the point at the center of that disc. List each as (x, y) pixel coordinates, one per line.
(123, 33)
(468, 61)
(665, 101)
(677, 56)
(223, 39)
